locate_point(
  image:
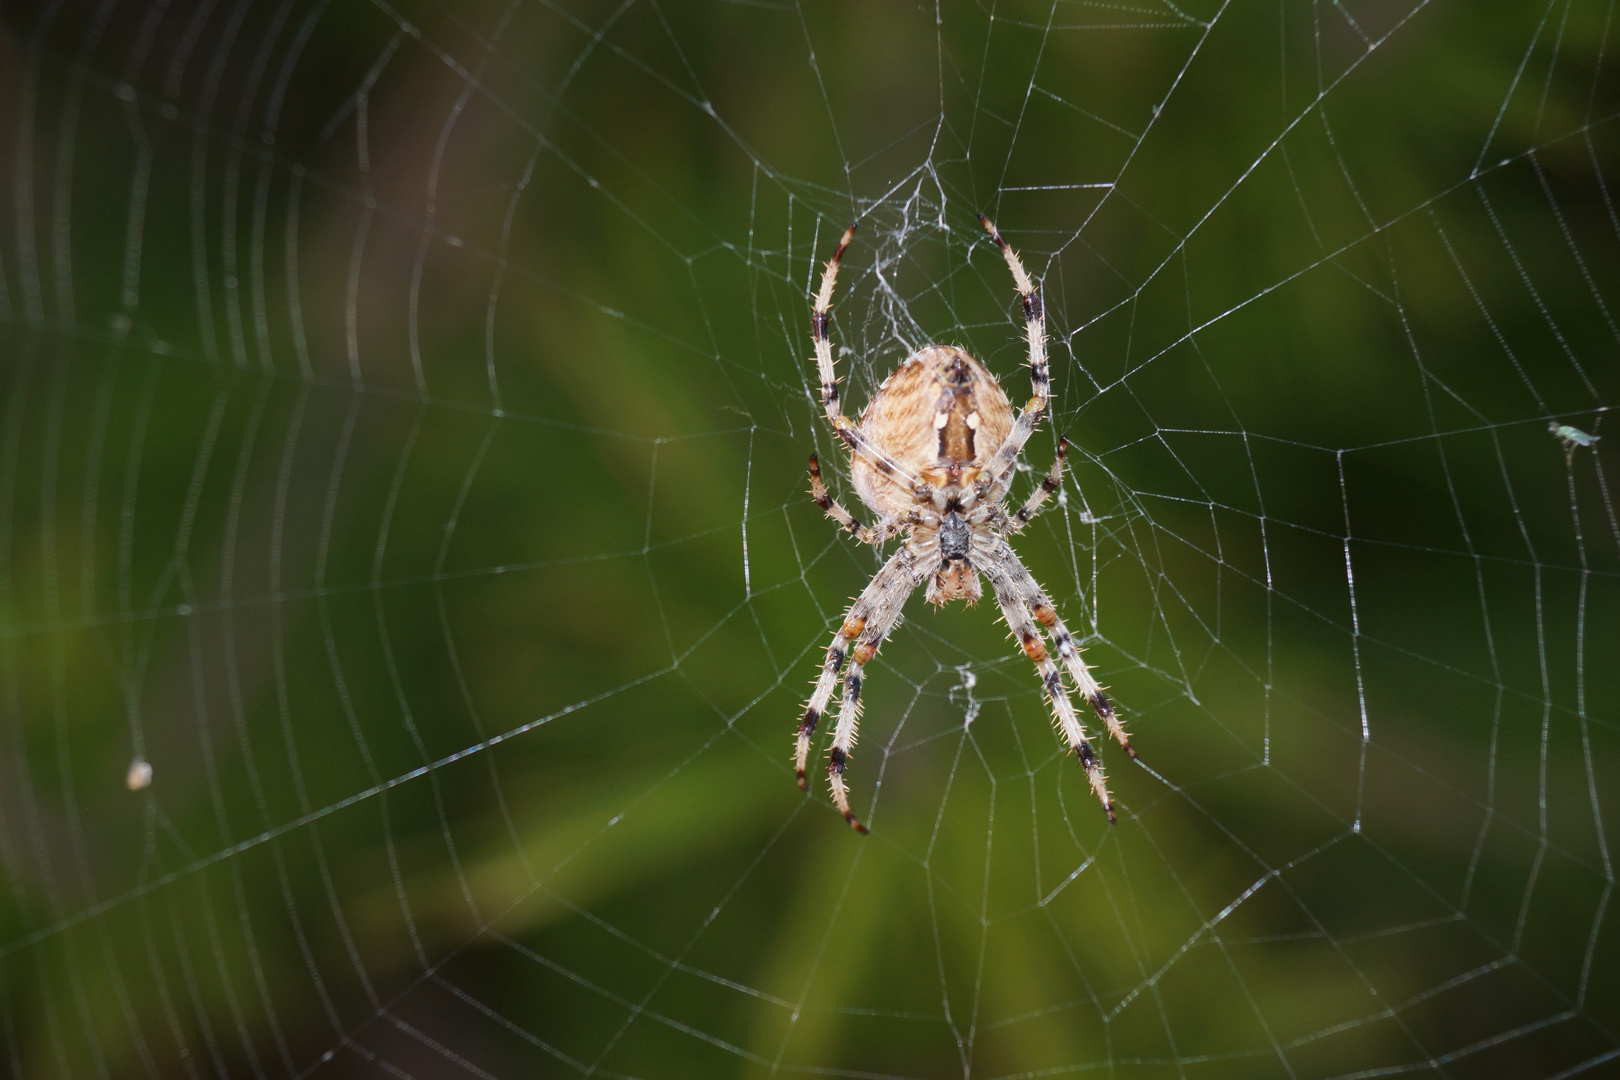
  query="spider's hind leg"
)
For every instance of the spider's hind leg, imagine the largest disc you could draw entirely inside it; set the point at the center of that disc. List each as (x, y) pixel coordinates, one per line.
(846, 429)
(1037, 499)
(998, 471)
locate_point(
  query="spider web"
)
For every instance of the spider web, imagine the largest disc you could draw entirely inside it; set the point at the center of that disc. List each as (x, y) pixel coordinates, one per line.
(409, 585)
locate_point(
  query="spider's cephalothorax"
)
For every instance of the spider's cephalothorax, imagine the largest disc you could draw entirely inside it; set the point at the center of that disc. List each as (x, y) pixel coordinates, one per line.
(934, 457)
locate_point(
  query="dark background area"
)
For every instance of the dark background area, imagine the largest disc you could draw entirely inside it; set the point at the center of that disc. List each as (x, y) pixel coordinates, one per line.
(404, 426)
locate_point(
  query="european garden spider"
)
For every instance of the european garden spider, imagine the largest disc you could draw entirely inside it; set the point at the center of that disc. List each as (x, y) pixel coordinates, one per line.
(933, 457)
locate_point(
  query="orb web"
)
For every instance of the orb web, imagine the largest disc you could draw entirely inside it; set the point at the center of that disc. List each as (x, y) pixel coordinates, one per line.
(410, 585)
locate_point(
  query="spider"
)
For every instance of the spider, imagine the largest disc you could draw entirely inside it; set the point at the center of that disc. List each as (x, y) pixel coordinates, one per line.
(934, 456)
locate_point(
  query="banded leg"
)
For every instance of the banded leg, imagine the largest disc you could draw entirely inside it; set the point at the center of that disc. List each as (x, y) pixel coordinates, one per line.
(870, 618)
(1034, 598)
(1028, 633)
(1049, 484)
(853, 437)
(866, 534)
(831, 670)
(885, 613)
(998, 471)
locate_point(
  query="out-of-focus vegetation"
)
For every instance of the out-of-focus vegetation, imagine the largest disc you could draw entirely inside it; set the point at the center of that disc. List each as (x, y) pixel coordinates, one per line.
(402, 450)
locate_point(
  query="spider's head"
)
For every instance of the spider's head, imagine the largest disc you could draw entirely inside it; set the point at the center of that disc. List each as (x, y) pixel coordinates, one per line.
(955, 581)
(956, 578)
(955, 538)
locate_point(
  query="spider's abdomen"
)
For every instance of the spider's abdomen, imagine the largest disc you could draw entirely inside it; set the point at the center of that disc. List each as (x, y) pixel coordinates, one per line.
(940, 416)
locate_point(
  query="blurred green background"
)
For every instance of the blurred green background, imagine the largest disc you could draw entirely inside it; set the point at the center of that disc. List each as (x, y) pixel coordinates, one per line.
(406, 409)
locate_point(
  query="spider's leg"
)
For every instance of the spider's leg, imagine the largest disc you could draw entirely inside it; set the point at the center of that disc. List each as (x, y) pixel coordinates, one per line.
(831, 669)
(853, 437)
(999, 469)
(866, 534)
(889, 591)
(1049, 483)
(1035, 599)
(1024, 628)
(870, 618)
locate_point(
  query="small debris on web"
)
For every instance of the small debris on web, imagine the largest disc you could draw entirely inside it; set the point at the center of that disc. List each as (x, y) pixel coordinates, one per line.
(139, 777)
(969, 681)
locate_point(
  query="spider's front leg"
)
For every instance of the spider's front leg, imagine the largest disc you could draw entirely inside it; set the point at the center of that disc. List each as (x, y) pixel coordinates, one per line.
(1024, 628)
(869, 620)
(1035, 600)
